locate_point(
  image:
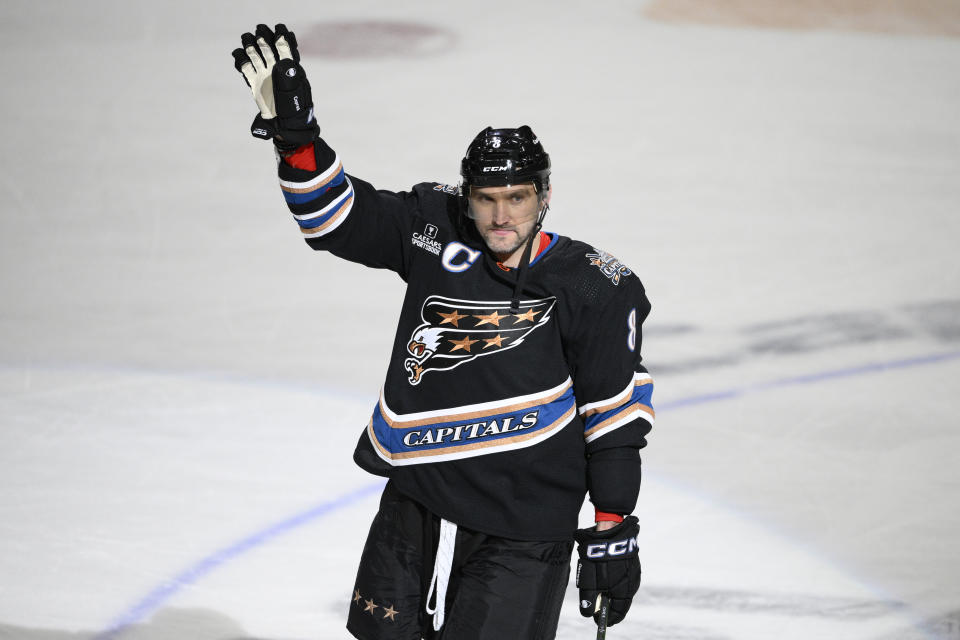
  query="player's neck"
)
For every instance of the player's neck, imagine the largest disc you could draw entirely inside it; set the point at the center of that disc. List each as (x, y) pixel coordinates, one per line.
(512, 260)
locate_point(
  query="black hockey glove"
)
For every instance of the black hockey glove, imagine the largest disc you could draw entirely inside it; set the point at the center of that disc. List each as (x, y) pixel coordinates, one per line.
(270, 64)
(608, 565)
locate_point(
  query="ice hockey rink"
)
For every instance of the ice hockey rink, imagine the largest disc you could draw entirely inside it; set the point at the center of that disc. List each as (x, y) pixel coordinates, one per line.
(182, 380)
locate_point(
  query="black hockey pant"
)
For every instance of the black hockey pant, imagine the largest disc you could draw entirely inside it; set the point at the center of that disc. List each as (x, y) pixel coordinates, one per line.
(499, 589)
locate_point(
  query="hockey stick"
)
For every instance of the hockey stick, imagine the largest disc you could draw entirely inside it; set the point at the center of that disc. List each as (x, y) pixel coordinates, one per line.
(603, 606)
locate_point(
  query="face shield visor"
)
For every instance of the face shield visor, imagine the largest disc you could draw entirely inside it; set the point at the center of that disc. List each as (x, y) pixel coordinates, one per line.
(515, 204)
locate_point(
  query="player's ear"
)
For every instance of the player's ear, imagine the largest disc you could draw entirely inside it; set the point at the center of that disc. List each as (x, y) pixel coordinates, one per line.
(545, 200)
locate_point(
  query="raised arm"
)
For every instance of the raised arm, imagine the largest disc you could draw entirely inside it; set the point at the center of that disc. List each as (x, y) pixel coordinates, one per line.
(334, 211)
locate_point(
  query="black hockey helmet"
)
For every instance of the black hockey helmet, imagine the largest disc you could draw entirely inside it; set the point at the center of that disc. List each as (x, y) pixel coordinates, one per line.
(504, 157)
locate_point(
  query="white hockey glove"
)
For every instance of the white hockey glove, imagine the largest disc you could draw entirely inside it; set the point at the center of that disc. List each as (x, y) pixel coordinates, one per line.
(270, 65)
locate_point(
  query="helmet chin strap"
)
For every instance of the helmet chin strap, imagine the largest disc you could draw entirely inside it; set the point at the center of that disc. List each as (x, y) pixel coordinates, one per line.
(525, 260)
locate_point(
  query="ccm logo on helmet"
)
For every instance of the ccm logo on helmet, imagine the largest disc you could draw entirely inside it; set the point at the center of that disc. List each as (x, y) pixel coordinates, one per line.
(495, 169)
(617, 548)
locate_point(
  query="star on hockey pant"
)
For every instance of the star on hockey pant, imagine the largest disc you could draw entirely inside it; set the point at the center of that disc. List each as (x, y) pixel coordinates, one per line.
(458, 331)
(389, 613)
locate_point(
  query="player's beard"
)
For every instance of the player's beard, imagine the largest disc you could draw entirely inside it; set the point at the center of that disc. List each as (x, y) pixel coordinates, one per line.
(504, 246)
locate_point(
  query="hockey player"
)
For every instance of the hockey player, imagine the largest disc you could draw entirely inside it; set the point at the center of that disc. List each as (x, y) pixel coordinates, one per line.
(515, 385)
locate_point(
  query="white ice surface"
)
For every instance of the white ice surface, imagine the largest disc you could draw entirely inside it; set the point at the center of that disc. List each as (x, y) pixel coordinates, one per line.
(181, 379)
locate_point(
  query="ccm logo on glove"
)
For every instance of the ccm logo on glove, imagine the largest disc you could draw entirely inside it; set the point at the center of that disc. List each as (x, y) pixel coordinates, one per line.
(617, 548)
(608, 566)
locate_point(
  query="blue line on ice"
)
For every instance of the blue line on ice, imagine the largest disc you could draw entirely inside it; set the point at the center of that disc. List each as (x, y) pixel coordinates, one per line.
(850, 372)
(153, 600)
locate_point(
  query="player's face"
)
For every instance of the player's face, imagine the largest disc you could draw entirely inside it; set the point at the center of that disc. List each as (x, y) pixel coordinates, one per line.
(505, 217)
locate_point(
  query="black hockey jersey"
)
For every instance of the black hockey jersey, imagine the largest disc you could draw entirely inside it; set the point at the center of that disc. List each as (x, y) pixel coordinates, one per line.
(497, 420)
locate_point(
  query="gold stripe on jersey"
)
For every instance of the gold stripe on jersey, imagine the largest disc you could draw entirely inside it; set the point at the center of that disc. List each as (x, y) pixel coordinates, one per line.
(464, 413)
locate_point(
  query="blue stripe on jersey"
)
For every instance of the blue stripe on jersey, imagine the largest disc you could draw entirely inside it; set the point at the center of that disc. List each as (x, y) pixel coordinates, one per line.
(642, 395)
(309, 196)
(477, 436)
(319, 221)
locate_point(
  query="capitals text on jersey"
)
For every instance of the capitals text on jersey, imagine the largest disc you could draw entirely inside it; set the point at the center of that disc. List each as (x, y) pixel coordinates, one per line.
(473, 430)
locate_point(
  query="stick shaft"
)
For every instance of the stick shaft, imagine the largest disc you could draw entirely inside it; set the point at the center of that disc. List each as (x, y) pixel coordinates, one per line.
(604, 606)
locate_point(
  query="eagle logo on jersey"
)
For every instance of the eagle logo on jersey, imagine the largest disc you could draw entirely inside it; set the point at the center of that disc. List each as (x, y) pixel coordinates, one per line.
(457, 331)
(609, 265)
